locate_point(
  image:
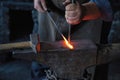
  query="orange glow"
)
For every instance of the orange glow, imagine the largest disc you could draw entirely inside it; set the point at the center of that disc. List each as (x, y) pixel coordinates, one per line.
(67, 43)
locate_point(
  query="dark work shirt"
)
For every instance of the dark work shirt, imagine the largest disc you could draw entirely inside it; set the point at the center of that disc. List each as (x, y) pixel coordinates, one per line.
(105, 9)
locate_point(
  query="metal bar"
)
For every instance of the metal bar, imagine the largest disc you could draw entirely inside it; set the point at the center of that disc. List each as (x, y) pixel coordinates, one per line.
(54, 23)
(69, 27)
(69, 31)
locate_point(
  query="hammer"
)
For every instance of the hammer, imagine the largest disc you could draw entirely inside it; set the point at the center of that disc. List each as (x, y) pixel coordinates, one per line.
(34, 43)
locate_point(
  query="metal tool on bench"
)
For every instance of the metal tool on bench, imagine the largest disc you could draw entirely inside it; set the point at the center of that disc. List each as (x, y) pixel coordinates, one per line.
(69, 27)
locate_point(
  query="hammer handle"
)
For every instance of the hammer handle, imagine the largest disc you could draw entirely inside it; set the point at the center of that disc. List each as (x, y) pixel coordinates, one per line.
(16, 45)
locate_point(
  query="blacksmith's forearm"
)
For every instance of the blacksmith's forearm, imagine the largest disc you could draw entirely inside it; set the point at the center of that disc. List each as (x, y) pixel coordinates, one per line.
(91, 11)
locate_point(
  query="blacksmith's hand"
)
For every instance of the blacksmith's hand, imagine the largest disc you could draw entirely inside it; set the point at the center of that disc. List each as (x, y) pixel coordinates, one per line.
(73, 12)
(40, 5)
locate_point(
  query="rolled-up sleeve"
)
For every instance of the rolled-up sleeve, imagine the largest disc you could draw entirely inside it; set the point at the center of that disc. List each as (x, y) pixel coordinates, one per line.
(105, 9)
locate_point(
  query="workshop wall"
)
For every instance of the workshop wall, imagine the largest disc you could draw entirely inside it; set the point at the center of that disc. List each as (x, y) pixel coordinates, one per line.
(15, 19)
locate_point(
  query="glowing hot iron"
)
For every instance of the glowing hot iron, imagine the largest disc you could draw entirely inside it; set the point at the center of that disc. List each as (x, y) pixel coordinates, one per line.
(68, 43)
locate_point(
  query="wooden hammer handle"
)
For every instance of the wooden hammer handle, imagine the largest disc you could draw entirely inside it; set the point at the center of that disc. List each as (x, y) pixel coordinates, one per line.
(16, 45)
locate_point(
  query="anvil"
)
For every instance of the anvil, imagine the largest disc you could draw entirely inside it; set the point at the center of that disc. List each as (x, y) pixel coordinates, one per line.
(68, 63)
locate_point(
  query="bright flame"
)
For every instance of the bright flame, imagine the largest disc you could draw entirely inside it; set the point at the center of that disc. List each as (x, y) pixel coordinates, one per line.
(67, 43)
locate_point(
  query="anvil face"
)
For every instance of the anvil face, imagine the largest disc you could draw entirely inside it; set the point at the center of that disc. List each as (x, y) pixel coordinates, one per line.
(66, 63)
(60, 45)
